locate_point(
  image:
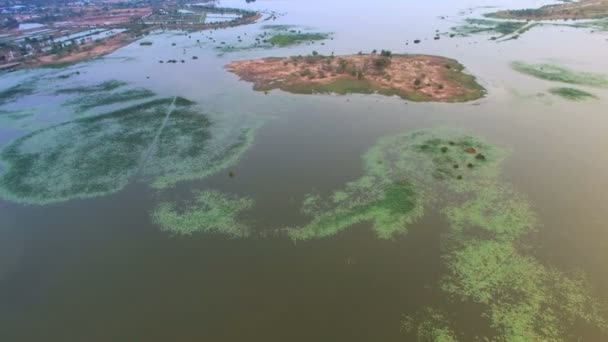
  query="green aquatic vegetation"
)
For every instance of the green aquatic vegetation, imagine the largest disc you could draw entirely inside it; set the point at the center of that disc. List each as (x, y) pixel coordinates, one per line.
(278, 27)
(162, 141)
(474, 26)
(429, 156)
(273, 36)
(572, 94)
(186, 151)
(286, 39)
(495, 209)
(526, 301)
(89, 101)
(81, 158)
(96, 88)
(430, 325)
(400, 173)
(391, 208)
(551, 72)
(210, 212)
(17, 91)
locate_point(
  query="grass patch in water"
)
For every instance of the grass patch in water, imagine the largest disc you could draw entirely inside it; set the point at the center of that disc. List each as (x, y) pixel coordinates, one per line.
(475, 26)
(551, 72)
(210, 212)
(572, 94)
(100, 87)
(286, 39)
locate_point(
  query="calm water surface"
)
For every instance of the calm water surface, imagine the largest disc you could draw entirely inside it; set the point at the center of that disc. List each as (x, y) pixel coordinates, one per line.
(99, 270)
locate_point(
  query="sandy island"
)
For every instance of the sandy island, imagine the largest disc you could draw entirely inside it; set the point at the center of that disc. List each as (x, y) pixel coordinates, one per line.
(412, 77)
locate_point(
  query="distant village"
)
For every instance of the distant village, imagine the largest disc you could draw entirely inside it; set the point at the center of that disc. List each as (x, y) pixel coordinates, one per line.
(36, 32)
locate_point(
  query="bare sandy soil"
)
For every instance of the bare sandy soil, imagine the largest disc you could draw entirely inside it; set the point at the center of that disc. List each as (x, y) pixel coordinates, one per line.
(88, 50)
(413, 77)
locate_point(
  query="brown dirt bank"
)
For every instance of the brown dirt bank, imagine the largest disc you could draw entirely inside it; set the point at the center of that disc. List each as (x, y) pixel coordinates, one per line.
(87, 51)
(412, 77)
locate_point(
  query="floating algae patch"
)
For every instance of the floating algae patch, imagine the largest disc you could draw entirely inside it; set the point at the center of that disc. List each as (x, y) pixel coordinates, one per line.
(390, 207)
(286, 39)
(193, 161)
(96, 88)
(438, 157)
(497, 210)
(81, 158)
(551, 72)
(431, 325)
(522, 299)
(210, 212)
(572, 94)
(89, 101)
(525, 300)
(401, 173)
(274, 36)
(162, 141)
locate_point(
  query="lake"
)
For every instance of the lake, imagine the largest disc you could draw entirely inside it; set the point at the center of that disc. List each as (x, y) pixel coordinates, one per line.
(99, 269)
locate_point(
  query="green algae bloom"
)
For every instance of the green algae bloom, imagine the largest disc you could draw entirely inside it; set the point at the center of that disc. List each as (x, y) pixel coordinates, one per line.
(431, 325)
(161, 141)
(401, 174)
(90, 101)
(572, 94)
(286, 39)
(210, 212)
(428, 159)
(97, 88)
(497, 210)
(391, 208)
(526, 301)
(551, 72)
